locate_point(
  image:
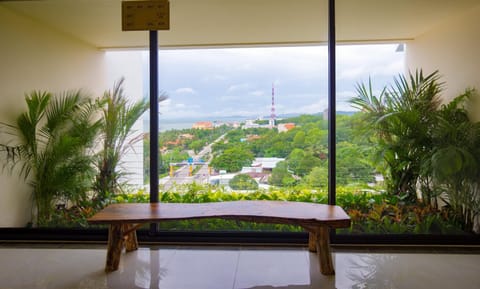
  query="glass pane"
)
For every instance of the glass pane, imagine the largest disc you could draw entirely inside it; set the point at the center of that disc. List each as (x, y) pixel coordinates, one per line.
(410, 131)
(361, 186)
(242, 124)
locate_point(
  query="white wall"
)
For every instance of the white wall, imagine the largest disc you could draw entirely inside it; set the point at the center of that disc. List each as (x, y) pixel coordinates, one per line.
(453, 48)
(32, 56)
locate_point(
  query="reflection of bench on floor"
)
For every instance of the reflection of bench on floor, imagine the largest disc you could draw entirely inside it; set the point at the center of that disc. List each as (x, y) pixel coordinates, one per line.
(317, 219)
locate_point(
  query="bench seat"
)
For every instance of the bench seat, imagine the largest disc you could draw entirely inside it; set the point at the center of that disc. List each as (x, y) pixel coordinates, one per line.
(317, 219)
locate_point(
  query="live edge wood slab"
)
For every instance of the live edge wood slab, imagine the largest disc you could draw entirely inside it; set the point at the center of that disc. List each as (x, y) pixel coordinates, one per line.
(317, 219)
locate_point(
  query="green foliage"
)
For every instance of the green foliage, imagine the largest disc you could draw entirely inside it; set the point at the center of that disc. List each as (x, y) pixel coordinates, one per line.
(243, 182)
(118, 118)
(371, 211)
(353, 165)
(196, 145)
(51, 141)
(305, 148)
(454, 161)
(401, 117)
(233, 159)
(235, 136)
(385, 218)
(299, 140)
(175, 155)
(317, 178)
(302, 162)
(424, 144)
(281, 177)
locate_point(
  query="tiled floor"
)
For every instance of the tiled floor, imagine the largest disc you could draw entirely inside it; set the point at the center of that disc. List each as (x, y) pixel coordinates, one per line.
(169, 267)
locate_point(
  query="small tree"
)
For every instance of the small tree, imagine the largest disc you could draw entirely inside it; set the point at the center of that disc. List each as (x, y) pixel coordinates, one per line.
(243, 182)
(317, 178)
(233, 159)
(280, 176)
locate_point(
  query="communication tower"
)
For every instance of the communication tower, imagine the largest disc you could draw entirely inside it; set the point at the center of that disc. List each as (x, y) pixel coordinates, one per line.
(273, 117)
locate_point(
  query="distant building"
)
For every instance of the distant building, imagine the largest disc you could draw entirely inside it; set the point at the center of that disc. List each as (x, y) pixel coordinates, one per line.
(246, 170)
(283, 127)
(266, 163)
(250, 123)
(203, 125)
(252, 137)
(173, 143)
(222, 179)
(186, 136)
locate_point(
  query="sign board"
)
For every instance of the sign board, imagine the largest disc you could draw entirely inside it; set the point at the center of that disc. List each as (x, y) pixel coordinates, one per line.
(145, 15)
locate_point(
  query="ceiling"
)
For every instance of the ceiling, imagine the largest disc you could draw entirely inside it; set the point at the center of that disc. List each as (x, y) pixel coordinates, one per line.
(245, 22)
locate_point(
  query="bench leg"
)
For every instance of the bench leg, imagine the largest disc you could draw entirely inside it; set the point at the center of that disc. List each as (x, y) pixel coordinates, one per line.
(114, 249)
(131, 243)
(312, 242)
(322, 236)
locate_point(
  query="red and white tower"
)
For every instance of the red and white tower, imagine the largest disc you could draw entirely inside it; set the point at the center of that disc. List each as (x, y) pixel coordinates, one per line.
(273, 117)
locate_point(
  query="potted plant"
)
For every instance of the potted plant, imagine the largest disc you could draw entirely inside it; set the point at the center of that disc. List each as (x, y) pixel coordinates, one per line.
(117, 137)
(50, 148)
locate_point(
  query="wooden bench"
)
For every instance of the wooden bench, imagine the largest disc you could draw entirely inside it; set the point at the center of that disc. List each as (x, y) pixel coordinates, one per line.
(317, 219)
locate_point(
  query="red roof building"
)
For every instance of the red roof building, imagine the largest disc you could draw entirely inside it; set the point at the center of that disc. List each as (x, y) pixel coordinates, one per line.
(203, 125)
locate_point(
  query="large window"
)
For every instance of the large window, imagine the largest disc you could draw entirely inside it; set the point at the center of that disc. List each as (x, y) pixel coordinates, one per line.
(252, 123)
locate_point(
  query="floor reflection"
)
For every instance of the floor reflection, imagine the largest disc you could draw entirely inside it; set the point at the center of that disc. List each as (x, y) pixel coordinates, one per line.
(232, 268)
(140, 269)
(371, 271)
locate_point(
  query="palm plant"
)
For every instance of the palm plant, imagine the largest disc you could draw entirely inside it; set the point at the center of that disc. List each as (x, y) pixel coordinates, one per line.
(454, 161)
(118, 118)
(49, 148)
(426, 146)
(401, 117)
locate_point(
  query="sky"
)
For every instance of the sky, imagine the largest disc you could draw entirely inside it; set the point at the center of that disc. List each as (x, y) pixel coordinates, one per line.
(216, 83)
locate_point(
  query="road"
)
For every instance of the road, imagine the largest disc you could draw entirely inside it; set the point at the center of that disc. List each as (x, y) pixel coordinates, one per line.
(181, 175)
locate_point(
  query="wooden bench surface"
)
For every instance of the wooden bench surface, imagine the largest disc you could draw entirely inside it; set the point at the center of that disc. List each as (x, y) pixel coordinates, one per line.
(297, 213)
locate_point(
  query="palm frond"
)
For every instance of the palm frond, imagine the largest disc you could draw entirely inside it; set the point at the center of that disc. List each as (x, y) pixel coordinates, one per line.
(61, 109)
(119, 118)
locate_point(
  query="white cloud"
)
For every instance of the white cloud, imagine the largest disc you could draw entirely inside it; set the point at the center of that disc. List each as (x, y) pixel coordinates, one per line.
(214, 77)
(257, 93)
(361, 61)
(230, 98)
(345, 95)
(238, 87)
(241, 112)
(185, 90)
(353, 72)
(171, 108)
(315, 107)
(166, 103)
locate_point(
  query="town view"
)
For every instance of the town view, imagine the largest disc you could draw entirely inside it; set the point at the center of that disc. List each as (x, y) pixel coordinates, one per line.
(261, 153)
